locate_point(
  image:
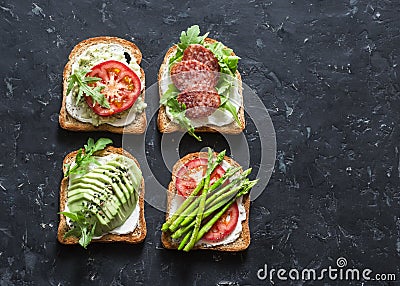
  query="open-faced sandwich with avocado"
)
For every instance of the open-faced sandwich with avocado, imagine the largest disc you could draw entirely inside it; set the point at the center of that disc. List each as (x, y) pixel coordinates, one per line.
(200, 87)
(208, 204)
(104, 87)
(101, 196)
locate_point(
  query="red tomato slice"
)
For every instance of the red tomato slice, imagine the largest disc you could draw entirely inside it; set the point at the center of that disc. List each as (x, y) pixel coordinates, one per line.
(224, 225)
(185, 181)
(121, 87)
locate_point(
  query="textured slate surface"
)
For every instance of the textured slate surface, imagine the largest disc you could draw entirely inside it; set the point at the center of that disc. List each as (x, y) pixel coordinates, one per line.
(327, 72)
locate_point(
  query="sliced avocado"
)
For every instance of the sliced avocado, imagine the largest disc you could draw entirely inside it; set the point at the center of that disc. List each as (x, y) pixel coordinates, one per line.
(131, 182)
(118, 169)
(131, 179)
(102, 224)
(96, 197)
(85, 180)
(86, 199)
(101, 196)
(105, 177)
(117, 178)
(107, 194)
(100, 186)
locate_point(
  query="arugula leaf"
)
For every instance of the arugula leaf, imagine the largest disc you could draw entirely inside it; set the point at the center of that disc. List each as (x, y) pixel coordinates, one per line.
(227, 62)
(225, 83)
(177, 111)
(83, 229)
(190, 37)
(227, 105)
(92, 147)
(224, 86)
(79, 80)
(83, 159)
(171, 92)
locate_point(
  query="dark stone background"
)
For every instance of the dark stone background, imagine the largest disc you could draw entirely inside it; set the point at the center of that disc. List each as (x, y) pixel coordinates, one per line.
(327, 72)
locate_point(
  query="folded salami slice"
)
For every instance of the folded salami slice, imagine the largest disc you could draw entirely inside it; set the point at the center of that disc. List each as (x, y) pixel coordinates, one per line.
(202, 54)
(193, 75)
(199, 103)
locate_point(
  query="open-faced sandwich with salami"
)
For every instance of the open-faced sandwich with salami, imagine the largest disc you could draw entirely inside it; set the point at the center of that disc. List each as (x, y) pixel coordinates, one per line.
(103, 87)
(208, 204)
(101, 196)
(200, 87)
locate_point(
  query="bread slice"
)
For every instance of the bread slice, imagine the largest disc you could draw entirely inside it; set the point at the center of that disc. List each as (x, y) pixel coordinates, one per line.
(165, 125)
(138, 126)
(240, 244)
(136, 236)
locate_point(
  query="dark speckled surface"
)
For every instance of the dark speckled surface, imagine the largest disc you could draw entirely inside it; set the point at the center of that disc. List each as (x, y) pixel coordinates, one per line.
(327, 72)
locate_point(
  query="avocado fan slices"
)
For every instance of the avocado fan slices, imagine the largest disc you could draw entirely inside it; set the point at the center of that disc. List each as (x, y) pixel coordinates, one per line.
(107, 194)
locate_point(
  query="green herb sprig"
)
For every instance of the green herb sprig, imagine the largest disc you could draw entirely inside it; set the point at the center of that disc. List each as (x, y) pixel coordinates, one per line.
(177, 109)
(81, 82)
(83, 229)
(190, 37)
(85, 156)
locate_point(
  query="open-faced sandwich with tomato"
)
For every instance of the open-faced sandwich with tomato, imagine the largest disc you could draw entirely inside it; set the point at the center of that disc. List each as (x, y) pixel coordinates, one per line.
(208, 204)
(200, 87)
(103, 87)
(101, 196)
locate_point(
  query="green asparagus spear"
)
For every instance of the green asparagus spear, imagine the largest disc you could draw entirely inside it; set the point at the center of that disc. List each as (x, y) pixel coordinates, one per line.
(218, 196)
(189, 208)
(185, 209)
(183, 206)
(202, 203)
(243, 189)
(184, 240)
(204, 229)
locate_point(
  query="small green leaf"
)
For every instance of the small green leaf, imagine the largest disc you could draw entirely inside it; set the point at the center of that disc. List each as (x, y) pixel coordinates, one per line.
(82, 160)
(89, 79)
(171, 92)
(101, 144)
(76, 232)
(225, 83)
(71, 85)
(189, 37)
(73, 216)
(227, 62)
(67, 168)
(232, 110)
(79, 80)
(178, 111)
(86, 236)
(89, 145)
(83, 229)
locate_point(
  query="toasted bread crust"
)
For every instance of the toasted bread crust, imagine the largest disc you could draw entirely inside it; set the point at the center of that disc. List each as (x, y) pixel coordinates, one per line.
(165, 125)
(138, 126)
(137, 236)
(240, 244)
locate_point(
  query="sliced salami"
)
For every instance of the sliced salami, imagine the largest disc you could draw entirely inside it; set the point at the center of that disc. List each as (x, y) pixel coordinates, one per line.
(199, 103)
(202, 54)
(193, 75)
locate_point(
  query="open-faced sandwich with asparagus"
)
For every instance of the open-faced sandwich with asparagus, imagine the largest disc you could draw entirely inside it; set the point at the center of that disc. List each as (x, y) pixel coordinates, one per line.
(200, 87)
(208, 204)
(103, 87)
(101, 196)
